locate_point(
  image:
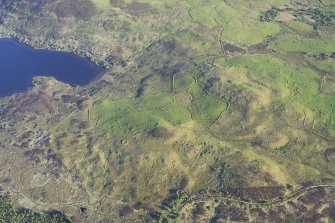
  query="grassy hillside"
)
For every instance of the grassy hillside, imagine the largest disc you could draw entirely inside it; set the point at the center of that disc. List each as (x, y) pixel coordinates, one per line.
(209, 111)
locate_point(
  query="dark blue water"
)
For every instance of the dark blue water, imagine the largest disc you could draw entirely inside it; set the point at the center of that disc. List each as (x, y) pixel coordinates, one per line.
(19, 63)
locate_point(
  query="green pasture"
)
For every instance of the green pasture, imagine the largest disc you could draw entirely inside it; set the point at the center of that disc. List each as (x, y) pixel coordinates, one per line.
(133, 116)
(294, 43)
(298, 87)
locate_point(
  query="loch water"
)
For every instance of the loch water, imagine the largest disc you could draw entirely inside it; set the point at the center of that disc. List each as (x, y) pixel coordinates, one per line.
(19, 63)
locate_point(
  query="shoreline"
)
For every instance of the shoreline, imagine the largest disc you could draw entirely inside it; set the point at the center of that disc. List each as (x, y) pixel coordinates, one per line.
(32, 83)
(56, 46)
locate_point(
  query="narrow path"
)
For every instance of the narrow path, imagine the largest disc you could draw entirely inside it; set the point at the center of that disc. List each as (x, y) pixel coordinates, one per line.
(274, 201)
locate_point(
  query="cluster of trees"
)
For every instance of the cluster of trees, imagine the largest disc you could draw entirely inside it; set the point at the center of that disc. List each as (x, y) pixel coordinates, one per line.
(171, 205)
(322, 17)
(8, 213)
(330, 154)
(270, 15)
